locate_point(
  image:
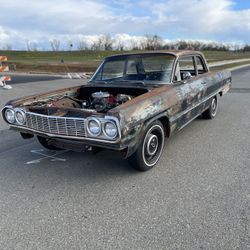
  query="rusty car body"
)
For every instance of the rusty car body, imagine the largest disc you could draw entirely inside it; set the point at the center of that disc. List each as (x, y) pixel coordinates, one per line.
(132, 104)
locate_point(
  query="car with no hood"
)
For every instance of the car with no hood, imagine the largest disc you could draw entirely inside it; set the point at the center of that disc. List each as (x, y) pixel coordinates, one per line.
(133, 103)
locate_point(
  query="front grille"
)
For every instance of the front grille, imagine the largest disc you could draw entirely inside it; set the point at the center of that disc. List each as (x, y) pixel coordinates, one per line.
(56, 125)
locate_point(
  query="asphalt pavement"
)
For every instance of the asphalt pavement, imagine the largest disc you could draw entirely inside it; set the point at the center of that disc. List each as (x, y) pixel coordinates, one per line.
(197, 197)
(18, 79)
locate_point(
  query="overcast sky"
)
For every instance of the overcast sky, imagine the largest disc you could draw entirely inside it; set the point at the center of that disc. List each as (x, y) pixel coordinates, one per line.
(41, 21)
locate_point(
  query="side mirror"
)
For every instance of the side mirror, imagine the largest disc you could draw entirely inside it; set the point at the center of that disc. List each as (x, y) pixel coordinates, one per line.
(186, 75)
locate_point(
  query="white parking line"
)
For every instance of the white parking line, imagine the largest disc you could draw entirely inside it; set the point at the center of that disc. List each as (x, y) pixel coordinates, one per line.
(46, 156)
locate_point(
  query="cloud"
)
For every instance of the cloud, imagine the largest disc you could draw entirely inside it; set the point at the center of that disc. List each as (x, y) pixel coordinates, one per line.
(40, 21)
(213, 18)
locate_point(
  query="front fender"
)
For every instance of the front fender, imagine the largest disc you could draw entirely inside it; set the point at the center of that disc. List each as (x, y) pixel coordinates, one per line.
(136, 134)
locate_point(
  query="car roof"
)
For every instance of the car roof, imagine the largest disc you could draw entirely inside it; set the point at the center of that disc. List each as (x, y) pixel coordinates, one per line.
(176, 53)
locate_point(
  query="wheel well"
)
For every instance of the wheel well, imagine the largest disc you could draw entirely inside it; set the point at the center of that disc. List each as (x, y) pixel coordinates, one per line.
(165, 122)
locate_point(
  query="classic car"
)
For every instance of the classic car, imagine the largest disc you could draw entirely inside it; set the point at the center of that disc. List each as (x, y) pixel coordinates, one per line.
(133, 103)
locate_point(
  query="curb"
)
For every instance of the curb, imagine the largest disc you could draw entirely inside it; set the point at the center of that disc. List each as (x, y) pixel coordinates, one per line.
(239, 67)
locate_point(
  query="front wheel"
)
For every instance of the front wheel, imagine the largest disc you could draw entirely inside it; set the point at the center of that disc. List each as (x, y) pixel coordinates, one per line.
(211, 112)
(150, 148)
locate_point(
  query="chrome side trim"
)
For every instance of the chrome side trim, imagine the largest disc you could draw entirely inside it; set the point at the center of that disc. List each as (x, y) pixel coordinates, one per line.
(204, 100)
(185, 124)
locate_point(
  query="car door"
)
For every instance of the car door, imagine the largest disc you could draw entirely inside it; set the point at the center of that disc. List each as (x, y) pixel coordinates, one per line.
(190, 89)
(209, 81)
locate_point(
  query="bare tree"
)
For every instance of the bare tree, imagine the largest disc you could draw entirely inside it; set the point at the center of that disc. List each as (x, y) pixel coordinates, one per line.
(154, 42)
(7, 46)
(82, 45)
(182, 45)
(120, 45)
(95, 45)
(105, 42)
(55, 44)
(246, 48)
(236, 47)
(166, 46)
(197, 45)
(70, 45)
(33, 46)
(108, 42)
(135, 45)
(27, 45)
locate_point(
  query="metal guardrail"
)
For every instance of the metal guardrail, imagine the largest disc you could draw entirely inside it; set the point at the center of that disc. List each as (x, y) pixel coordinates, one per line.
(4, 68)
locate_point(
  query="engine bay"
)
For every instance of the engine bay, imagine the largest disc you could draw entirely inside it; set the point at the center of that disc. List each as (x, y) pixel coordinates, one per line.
(89, 99)
(98, 102)
(104, 101)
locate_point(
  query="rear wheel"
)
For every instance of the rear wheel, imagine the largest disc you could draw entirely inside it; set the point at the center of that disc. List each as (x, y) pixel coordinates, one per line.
(211, 112)
(45, 143)
(150, 148)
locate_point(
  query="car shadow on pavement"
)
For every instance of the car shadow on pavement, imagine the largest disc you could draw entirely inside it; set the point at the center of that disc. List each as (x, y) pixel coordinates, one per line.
(106, 162)
(23, 169)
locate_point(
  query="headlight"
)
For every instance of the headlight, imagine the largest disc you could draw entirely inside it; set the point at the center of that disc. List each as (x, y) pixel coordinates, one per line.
(110, 129)
(94, 127)
(20, 116)
(10, 115)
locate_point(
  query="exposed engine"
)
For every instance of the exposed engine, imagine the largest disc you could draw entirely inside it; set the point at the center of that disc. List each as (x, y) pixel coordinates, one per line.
(103, 101)
(98, 102)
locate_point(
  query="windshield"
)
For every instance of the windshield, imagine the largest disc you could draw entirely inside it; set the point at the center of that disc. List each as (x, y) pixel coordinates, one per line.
(145, 67)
